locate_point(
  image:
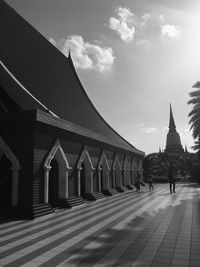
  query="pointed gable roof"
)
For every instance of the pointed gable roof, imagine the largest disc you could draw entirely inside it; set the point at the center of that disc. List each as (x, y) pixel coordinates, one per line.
(36, 75)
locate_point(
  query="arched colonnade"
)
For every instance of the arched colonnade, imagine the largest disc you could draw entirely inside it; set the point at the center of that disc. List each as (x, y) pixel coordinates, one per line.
(56, 170)
(9, 175)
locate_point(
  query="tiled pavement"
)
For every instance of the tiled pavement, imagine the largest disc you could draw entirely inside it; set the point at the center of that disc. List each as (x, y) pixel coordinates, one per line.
(130, 229)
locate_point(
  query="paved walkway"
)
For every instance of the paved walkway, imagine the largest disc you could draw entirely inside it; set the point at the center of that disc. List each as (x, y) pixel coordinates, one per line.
(130, 229)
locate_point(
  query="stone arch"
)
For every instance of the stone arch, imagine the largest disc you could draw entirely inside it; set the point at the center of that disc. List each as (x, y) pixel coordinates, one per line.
(126, 164)
(117, 170)
(84, 173)
(103, 172)
(134, 167)
(58, 154)
(4, 149)
(140, 169)
(127, 172)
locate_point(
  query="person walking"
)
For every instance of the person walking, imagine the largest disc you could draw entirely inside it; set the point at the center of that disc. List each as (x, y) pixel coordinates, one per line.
(137, 185)
(150, 182)
(171, 178)
(138, 182)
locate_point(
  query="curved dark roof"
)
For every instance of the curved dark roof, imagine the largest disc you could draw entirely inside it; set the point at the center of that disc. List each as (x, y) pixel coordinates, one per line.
(29, 61)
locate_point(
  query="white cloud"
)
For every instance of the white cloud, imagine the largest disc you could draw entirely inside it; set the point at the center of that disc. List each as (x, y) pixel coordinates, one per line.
(147, 129)
(124, 24)
(125, 14)
(84, 54)
(141, 28)
(151, 22)
(170, 31)
(145, 18)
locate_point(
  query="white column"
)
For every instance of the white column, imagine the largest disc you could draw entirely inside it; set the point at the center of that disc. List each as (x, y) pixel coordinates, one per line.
(113, 179)
(99, 179)
(122, 180)
(78, 181)
(15, 176)
(66, 185)
(133, 177)
(106, 180)
(46, 184)
(129, 177)
(91, 184)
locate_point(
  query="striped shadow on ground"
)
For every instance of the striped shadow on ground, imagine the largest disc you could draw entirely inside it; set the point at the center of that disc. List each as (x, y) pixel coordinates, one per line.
(116, 231)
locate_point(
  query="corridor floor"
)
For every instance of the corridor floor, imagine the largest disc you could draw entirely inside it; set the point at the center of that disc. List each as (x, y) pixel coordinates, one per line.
(130, 229)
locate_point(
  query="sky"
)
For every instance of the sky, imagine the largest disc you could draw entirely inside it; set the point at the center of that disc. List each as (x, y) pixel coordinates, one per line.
(134, 58)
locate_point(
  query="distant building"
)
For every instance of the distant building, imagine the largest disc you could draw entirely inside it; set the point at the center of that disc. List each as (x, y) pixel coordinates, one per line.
(56, 150)
(158, 163)
(173, 144)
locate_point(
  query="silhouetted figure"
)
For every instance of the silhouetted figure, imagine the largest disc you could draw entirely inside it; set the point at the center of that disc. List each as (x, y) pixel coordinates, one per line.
(137, 185)
(171, 178)
(150, 182)
(138, 182)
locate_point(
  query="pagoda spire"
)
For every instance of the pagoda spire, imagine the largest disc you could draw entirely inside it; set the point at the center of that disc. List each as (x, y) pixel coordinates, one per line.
(186, 149)
(173, 144)
(172, 126)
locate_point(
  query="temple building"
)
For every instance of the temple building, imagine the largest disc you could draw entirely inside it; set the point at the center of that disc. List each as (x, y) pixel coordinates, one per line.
(173, 144)
(56, 150)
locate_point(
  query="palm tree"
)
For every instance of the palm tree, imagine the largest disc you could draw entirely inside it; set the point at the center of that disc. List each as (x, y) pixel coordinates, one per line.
(195, 116)
(196, 146)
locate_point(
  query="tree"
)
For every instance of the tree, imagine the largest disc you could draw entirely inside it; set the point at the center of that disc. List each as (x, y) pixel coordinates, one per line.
(159, 165)
(195, 127)
(195, 116)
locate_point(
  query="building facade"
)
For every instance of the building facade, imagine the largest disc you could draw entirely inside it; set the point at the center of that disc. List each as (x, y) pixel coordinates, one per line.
(56, 150)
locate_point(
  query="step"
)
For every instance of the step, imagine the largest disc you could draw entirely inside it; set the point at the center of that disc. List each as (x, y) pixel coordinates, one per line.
(93, 196)
(39, 214)
(121, 189)
(110, 192)
(42, 209)
(98, 195)
(124, 188)
(75, 201)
